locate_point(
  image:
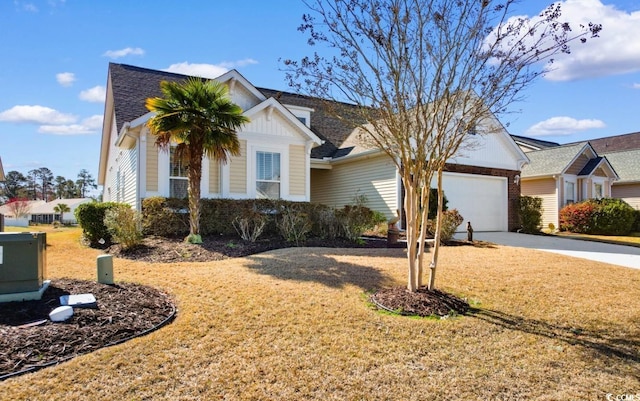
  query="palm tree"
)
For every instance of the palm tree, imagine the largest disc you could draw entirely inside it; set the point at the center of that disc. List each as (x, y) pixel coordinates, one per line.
(199, 117)
(61, 209)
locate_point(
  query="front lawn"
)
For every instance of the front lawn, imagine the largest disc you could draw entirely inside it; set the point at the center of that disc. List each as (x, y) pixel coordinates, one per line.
(295, 324)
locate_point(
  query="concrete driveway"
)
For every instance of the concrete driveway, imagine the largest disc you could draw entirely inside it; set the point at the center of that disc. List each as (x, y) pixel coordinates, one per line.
(621, 255)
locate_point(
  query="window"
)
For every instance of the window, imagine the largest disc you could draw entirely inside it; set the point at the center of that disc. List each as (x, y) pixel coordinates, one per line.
(268, 175)
(178, 182)
(597, 191)
(569, 192)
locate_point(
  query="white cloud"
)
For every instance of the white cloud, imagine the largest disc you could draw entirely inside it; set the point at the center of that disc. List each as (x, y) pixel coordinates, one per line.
(614, 52)
(134, 51)
(208, 70)
(636, 86)
(66, 78)
(96, 94)
(89, 125)
(36, 115)
(563, 126)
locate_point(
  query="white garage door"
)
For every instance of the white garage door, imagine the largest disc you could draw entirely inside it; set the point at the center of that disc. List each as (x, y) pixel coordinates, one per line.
(481, 200)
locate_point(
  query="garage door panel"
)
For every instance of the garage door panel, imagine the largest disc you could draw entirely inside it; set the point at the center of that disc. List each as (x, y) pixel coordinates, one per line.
(481, 200)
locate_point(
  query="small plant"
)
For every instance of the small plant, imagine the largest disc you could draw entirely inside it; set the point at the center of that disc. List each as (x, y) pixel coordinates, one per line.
(293, 225)
(124, 224)
(250, 227)
(552, 227)
(451, 220)
(90, 217)
(231, 245)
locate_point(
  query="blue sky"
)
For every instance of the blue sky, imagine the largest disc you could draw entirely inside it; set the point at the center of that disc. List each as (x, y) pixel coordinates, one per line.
(56, 55)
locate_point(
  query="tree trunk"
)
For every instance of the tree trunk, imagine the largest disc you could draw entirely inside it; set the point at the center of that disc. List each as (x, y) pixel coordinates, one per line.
(410, 206)
(194, 175)
(436, 245)
(424, 201)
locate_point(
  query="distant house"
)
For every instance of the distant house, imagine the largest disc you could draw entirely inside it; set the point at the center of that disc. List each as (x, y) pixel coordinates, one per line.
(41, 212)
(296, 149)
(2, 179)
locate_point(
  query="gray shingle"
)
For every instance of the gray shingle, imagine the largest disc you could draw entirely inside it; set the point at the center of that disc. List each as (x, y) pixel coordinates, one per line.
(132, 85)
(550, 161)
(626, 164)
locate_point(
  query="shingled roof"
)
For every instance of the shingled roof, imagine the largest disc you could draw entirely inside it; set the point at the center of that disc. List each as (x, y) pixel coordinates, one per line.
(627, 165)
(132, 85)
(616, 143)
(534, 143)
(551, 160)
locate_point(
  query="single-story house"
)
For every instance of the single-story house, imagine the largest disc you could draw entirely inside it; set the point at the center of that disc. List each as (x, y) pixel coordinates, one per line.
(566, 174)
(313, 156)
(620, 152)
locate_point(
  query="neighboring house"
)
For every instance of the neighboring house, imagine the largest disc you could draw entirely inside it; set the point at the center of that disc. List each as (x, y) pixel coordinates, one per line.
(44, 212)
(622, 152)
(566, 174)
(317, 156)
(2, 179)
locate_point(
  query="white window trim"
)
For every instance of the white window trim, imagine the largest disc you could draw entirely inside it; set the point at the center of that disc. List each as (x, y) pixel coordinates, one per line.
(252, 165)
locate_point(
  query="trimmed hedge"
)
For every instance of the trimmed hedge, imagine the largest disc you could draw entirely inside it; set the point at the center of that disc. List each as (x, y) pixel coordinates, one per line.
(636, 224)
(169, 217)
(604, 216)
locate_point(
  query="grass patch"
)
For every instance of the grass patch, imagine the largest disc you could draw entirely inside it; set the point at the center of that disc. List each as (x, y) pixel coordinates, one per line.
(292, 324)
(632, 239)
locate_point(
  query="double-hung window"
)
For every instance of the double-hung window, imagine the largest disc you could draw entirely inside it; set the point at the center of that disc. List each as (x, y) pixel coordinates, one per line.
(268, 175)
(178, 182)
(597, 191)
(569, 192)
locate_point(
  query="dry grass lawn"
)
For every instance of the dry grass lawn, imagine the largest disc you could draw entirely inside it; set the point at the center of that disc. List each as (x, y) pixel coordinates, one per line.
(294, 324)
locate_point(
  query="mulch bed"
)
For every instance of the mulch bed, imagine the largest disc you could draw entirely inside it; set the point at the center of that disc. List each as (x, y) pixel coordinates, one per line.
(30, 341)
(420, 303)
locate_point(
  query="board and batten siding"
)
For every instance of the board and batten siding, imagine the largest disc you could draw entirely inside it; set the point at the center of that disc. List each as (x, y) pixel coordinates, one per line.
(577, 165)
(629, 193)
(546, 189)
(238, 170)
(214, 176)
(297, 170)
(152, 164)
(374, 178)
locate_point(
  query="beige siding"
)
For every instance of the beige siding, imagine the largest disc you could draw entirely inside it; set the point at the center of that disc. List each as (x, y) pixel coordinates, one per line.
(600, 172)
(375, 178)
(152, 164)
(545, 189)
(238, 171)
(578, 165)
(214, 177)
(297, 170)
(629, 193)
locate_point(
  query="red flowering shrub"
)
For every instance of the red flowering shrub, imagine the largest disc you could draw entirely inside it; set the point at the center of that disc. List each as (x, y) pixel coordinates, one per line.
(577, 217)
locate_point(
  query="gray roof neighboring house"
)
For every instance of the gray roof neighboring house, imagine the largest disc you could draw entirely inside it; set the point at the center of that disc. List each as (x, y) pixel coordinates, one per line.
(534, 143)
(552, 160)
(627, 165)
(616, 143)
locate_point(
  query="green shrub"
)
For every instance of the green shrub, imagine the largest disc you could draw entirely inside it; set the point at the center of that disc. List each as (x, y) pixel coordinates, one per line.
(294, 225)
(530, 209)
(165, 217)
(636, 224)
(433, 203)
(123, 224)
(354, 221)
(598, 216)
(90, 217)
(451, 220)
(612, 217)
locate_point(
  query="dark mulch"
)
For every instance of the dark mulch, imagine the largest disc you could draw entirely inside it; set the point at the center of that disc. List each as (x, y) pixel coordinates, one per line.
(167, 250)
(29, 340)
(420, 303)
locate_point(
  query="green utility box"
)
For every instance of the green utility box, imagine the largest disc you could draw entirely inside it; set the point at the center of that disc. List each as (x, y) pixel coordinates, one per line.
(22, 262)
